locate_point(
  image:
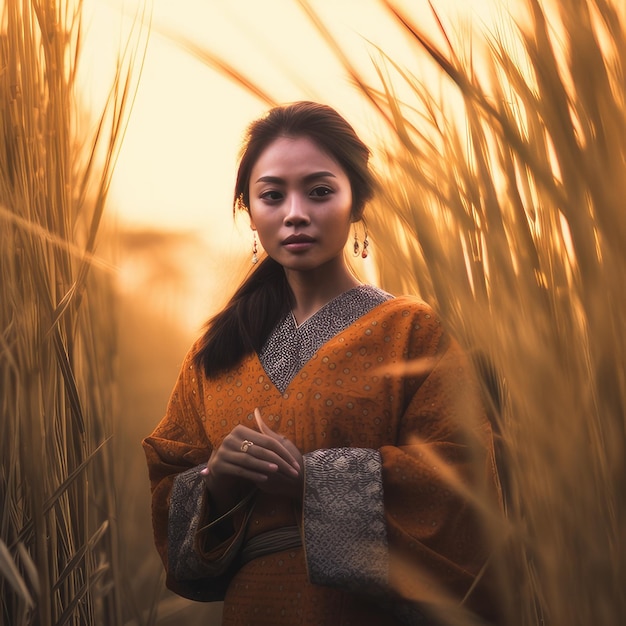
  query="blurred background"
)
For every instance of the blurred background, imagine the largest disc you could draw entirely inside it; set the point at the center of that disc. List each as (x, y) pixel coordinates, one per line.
(499, 136)
(178, 249)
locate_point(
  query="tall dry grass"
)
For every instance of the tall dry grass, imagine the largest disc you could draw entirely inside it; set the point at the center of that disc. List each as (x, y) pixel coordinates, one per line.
(502, 202)
(58, 528)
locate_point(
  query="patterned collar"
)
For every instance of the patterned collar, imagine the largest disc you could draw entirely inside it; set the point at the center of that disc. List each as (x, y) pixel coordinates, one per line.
(290, 345)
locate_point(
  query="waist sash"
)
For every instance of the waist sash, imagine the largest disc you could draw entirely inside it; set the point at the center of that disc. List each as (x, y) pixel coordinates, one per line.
(271, 541)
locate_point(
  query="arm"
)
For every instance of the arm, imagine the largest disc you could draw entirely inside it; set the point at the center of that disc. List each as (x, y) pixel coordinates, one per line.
(400, 518)
(437, 481)
(176, 453)
(203, 491)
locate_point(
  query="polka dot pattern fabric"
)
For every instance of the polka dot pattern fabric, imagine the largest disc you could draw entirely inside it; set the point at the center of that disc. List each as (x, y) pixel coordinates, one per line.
(391, 381)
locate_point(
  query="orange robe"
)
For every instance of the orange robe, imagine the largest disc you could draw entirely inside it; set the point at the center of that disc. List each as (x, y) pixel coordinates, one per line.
(394, 389)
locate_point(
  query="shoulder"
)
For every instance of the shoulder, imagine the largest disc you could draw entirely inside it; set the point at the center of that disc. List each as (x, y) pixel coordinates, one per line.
(408, 306)
(191, 374)
(391, 303)
(193, 351)
(411, 320)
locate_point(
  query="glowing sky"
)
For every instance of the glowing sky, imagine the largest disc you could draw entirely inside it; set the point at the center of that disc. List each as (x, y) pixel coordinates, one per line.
(178, 158)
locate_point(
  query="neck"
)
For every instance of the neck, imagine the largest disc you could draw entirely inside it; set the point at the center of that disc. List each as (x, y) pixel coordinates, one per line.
(312, 290)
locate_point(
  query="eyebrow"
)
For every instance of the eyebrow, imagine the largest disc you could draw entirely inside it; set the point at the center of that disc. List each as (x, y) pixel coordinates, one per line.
(306, 179)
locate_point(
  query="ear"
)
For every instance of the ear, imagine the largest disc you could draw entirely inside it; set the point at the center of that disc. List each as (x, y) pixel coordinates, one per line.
(356, 215)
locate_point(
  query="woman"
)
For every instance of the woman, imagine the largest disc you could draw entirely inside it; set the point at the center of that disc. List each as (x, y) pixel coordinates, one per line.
(308, 467)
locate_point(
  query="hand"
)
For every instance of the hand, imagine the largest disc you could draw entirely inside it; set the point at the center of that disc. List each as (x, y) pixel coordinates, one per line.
(272, 462)
(279, 483)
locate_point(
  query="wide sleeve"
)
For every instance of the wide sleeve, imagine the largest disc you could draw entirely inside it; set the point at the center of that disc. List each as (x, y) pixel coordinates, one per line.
(401, 521)
(438, 481)
(198, 556)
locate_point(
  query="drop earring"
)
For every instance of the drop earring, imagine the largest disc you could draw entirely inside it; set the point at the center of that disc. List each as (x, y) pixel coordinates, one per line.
(356, 243)
(365, 244)
(255, 258)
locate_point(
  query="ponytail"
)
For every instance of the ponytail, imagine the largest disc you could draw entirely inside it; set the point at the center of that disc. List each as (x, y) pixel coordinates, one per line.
(244, 324)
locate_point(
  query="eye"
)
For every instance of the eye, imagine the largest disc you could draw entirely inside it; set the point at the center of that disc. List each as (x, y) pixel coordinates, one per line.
(320, 192)
(271, 196)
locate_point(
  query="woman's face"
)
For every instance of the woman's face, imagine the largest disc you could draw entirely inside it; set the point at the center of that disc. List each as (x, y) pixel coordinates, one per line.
(300, 204)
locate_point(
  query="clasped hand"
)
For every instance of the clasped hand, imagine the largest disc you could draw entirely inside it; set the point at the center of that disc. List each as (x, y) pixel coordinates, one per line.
(272, 462)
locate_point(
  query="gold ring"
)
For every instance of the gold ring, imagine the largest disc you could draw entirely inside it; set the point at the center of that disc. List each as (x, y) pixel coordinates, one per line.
(245, 445)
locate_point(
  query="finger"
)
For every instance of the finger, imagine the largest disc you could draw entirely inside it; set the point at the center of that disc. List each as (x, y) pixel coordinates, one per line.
(268, 452)
(257, 457)
(243, 472)
(222, 463)
(266, 438)
(258, 474)
(268, 447)
(259, 420)
(265, 429)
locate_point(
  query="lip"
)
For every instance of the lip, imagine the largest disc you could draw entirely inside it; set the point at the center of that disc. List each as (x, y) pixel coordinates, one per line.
(297, 239)
(298, 243)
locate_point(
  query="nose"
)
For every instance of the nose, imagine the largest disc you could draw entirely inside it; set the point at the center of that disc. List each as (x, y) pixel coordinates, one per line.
(296, 211)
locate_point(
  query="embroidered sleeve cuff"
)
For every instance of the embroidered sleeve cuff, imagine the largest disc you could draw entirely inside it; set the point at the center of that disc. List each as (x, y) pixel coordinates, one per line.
(186, 505)
(345, 535)
(195, 552)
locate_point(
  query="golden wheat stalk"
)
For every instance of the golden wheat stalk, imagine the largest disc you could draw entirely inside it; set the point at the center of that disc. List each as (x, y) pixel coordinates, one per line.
(59, 548)
(511, 221)
(508, 217)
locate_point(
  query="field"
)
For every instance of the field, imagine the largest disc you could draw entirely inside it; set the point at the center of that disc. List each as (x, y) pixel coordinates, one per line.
(501, 200)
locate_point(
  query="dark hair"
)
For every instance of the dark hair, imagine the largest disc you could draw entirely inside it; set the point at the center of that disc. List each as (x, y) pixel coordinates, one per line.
(264, 297)
(325, 127)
